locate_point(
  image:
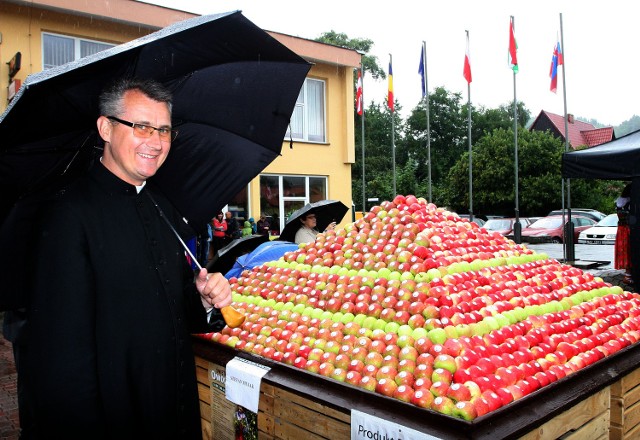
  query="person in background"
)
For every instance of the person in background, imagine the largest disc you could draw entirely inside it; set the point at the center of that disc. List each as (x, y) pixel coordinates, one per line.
(247, 230)
(233, 229)
(254, 227)
(219, 233)
(622, 245)
(113, 301)
(263, 225)
(307, 232)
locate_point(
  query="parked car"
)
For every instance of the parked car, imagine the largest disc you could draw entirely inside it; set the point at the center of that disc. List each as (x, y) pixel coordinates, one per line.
(590, 213)
(550, 229)
(504, 226)
(477, 220)
(604, 232)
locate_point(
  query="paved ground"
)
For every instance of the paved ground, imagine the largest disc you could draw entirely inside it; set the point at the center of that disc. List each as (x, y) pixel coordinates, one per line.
(10, 427)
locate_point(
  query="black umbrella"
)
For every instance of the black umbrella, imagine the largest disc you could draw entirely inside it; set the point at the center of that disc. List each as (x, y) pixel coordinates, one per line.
(326, 211)
(225, 258)
(234, 91)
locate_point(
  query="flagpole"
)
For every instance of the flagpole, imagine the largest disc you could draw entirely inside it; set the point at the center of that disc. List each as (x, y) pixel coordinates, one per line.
(426, 97)
(364, 199)
(570, 249)
(393, 141)
(517, 227)
(470, 154)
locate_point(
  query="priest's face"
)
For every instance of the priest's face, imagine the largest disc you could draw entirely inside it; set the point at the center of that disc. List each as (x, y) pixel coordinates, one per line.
(129, 153)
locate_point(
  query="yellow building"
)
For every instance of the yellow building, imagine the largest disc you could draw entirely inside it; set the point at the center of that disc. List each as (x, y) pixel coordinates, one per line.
(318, 151)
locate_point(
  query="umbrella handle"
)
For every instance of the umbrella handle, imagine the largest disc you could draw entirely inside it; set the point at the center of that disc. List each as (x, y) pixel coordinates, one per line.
(232, 317)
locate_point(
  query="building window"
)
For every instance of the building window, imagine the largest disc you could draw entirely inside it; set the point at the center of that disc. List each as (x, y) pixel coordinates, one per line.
(61, 49)
(281, 195)
(308, 117)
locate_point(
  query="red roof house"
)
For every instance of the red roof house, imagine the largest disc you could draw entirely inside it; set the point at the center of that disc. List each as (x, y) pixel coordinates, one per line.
(580, 133)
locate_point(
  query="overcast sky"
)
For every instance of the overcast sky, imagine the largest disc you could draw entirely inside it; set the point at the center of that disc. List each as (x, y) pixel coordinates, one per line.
(599, 38)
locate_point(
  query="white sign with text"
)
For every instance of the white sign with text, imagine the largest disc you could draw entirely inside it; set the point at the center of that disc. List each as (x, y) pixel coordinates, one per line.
(367, 427)
(242, 384)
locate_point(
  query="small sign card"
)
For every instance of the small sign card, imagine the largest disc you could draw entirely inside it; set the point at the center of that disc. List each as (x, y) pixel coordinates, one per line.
(243, 382)
(367, 427)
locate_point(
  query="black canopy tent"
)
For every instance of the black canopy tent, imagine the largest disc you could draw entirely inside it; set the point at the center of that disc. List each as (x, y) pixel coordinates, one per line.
(615, 160)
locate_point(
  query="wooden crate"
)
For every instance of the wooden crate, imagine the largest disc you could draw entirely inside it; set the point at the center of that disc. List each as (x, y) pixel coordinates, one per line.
(625, 407)
(204, 393)
(287, 416)
(587, 420)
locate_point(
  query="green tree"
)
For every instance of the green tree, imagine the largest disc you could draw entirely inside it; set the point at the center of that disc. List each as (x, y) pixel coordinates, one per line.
(363, 45)
(378, 154)
(484, 121)
(448, 133)
(539, 174)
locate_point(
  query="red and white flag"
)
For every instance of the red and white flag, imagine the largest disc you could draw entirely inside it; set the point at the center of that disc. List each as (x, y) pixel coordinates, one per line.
(467, 63)
(359, 107)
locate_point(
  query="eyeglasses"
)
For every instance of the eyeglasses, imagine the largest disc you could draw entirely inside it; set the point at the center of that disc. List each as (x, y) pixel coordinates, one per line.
(146, 131)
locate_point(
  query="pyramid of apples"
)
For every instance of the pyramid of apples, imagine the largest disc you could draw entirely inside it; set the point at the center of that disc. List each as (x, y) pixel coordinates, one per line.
(415, 303)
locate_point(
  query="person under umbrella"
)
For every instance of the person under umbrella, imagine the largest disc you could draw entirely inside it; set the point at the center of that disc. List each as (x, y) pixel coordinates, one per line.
(307, 232)
(113, 301)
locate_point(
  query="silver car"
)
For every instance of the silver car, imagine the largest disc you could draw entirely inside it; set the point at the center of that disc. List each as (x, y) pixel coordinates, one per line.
(603, 232)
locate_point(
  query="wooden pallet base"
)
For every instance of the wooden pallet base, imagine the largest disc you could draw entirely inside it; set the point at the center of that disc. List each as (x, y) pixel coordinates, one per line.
(625, 407)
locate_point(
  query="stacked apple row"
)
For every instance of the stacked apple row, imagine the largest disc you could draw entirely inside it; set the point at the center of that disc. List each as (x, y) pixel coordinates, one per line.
(444, 315)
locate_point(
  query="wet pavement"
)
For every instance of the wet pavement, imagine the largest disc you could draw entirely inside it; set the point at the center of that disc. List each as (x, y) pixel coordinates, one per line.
(9, 424)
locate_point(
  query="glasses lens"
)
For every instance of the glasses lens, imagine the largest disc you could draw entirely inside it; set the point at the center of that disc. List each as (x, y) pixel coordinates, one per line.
(143, 131)
(146, 131)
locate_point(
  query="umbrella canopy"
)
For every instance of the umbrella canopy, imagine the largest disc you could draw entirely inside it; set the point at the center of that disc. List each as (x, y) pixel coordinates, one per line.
(234, 90)
(224, 259)
(615, 160)
(326, 211)
(269, 251)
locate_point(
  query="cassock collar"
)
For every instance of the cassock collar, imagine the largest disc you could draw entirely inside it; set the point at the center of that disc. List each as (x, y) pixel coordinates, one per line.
(110, 181)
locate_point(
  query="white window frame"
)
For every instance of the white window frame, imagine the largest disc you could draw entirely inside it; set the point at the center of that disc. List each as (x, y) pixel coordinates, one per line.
(77, 42)
(304, 111)
(282, 199)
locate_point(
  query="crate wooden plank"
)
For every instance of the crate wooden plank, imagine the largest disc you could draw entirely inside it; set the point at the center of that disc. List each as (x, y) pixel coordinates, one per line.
(205, 411)
(573, 418)
(265, 436)
(626, 417)
(266, 403)
(281, 395)
(202, 375)
(626, 383)
(266, 422)
(201, 362)
(597, 427)
(307, 419)
(287, 431)
(204, 394)
(631, 416)
(616, 433)
(206, 429)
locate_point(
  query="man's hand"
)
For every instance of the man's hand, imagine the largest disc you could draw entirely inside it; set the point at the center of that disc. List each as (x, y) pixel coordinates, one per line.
(214, 289)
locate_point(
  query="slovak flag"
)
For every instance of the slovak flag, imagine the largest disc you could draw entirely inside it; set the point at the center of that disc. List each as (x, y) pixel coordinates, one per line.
(556, 60)
(359, 108)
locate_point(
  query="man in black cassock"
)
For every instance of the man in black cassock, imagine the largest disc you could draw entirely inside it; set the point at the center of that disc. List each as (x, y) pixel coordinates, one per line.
(113, 300)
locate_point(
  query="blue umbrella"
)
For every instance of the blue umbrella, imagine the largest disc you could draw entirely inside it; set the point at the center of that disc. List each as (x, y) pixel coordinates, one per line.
(269, 251)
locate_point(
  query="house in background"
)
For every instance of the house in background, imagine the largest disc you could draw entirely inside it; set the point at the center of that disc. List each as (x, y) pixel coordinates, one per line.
(318, 150)
(580, 133)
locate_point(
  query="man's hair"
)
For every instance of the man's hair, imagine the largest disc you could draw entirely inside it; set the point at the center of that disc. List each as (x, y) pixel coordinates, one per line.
(111, 98)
